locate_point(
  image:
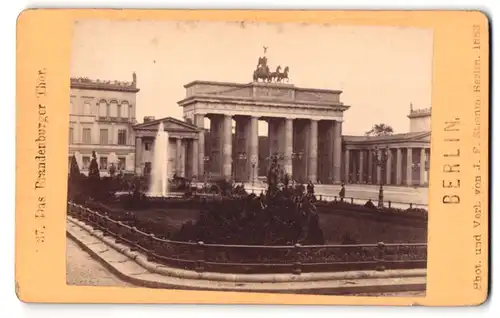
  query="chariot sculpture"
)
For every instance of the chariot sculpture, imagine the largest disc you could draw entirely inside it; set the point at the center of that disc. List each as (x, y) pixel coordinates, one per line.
(262, 71)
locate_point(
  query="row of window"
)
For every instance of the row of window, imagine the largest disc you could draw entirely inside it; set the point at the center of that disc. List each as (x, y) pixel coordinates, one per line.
(115, 110)
(103, 163)
(103, 136)
(104, 110)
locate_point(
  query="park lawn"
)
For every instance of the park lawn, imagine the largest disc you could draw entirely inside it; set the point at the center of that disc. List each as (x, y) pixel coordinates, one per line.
(336, 226)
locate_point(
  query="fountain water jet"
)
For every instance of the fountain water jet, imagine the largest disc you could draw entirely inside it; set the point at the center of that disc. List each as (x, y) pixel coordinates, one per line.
(159, 174)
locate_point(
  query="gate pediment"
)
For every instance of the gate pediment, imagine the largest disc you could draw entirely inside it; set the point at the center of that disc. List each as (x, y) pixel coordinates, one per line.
(170, 124)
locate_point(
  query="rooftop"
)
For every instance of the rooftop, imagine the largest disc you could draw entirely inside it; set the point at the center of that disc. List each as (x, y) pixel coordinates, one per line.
(170, 123)
(266, 84)
(389, 138)
(422, 112)
(265, 92)
(106, 85)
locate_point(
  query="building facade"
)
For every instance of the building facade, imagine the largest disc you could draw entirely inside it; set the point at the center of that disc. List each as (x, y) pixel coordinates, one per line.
(304, 131)
(182, 147)
(405, 156)
(101, 119)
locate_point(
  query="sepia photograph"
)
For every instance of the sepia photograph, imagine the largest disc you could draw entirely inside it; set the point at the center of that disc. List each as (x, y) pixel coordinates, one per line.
(244, 156)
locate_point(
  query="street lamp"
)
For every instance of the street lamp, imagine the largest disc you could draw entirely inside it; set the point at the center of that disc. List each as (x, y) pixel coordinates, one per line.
(206, 160)
(380, 156)
(240, 156)
(253, 161)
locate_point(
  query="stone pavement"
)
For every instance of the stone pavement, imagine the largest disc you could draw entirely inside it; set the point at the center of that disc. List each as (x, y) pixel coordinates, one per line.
(83, 270)
(418, 196)
(125, 264)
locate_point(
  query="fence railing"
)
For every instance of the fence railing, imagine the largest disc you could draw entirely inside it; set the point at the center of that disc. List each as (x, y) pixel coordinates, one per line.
(386, 203)
(297, 258)
(333, 198)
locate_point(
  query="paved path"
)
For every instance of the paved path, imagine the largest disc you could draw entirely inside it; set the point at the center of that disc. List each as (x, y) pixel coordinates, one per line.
(417, 196)
(83, 270)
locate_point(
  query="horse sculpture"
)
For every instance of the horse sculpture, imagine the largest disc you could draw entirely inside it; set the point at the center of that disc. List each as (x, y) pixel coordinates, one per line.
(262, 72)
(283, 76)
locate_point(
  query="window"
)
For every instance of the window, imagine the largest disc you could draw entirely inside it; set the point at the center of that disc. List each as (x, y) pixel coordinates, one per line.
(118, 110)
(71, 135)
(113, 110)
(124, 110)
(104, 138)
(122, 137)
(86, 108)
(121, 163)
(86, 162)
(86, 136)
(103, 163)
(103, 109)
(147, 146)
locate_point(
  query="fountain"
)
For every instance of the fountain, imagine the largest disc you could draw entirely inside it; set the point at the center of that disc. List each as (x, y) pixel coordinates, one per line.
(159, 174)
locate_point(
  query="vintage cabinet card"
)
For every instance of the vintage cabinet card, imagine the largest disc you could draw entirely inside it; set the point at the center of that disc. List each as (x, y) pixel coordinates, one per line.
(312, 157)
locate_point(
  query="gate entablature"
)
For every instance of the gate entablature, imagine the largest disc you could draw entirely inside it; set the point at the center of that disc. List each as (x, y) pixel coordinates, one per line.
(261, 99)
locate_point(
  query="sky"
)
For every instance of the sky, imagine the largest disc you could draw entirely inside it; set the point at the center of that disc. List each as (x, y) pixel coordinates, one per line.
(381, 70)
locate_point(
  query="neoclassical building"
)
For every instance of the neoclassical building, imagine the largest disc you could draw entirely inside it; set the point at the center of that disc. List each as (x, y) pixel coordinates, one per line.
(304, 130)
(101, 119)
(182, 148)
(297, 119)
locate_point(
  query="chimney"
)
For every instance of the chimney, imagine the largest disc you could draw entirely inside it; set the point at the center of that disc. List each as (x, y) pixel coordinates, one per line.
(147, 119)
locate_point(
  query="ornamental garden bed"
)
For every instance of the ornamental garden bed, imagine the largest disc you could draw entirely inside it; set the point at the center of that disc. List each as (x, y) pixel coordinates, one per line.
(341, 223)
(269, 259)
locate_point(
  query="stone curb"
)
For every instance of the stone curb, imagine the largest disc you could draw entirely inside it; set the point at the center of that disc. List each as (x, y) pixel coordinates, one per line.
(307, 288)
(137, 275)
(152, 267)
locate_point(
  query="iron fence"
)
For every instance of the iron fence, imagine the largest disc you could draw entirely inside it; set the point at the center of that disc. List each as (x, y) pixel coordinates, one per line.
(297, 258)
(330, 198)
(386, 203)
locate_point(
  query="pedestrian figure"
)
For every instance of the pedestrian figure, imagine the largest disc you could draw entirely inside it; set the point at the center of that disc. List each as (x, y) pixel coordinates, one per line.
(342, 192)
(310, 188)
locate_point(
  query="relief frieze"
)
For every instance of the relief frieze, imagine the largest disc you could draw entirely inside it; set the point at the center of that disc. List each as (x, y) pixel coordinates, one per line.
(274, 92)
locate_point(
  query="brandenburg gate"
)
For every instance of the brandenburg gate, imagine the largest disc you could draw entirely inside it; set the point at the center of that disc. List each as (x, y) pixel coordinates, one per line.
(299, 120)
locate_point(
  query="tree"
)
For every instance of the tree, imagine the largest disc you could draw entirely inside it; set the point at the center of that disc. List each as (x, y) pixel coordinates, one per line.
(74, 170)
(74, 180)
(380, 130)
(94, 168)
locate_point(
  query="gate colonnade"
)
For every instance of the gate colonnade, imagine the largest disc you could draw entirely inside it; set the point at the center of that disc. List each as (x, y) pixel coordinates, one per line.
(304, 129)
